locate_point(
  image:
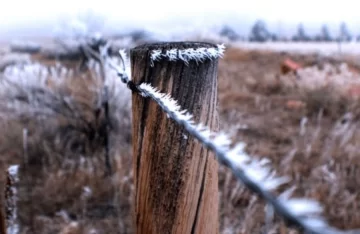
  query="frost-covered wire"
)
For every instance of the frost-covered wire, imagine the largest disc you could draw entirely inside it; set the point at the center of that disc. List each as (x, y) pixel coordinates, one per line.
(124, 71)
(186, 55)
(255, 174)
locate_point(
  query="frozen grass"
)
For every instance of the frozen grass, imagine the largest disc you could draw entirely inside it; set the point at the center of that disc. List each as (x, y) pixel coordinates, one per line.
(317, 147)
(61, 158)
(66, 192)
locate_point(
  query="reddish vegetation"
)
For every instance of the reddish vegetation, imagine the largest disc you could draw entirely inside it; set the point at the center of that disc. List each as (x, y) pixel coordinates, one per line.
(289, 65)
(295, 104)
(257, 105)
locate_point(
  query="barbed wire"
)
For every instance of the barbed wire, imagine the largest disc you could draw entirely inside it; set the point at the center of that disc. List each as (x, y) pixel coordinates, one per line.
(255, 174)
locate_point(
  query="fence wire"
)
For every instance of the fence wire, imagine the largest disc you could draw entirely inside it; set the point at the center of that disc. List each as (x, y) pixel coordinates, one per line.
(255, 174)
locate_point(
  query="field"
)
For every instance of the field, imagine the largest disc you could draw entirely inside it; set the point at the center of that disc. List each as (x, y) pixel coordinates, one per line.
(306, 123)
(325, 48)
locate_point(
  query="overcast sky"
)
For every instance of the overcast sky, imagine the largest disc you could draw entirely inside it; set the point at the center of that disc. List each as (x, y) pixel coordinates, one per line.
(29, 13)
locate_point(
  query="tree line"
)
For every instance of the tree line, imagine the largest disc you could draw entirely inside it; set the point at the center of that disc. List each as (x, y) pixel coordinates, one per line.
(259, 32)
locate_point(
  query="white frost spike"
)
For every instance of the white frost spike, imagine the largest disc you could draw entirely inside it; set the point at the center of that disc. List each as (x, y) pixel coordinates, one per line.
(206, 133)
(287, 193)
(200, 127)
(155, 55)
(260, 175)
(186, 117)
(316, 223)
(221, 50)
(302, 207)
(222, 141)
(171, 54)
(123, 55)
(273, 183)
(87, 192)
(264, 161)
(237, 155)
(186, 55)
(13, 170)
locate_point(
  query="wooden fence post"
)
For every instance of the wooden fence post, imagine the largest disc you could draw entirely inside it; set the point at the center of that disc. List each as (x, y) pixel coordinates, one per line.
(176, 178)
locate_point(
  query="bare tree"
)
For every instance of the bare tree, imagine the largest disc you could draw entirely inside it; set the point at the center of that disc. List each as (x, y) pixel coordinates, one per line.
(344, 34)
(229, 32)
(259, 32)
(324, 34)
(301, 35)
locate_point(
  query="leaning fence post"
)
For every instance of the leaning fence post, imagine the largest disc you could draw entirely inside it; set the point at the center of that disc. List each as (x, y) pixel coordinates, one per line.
(176, 178)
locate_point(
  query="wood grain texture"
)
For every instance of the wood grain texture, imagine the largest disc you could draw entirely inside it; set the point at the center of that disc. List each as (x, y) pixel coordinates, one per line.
(176, 178)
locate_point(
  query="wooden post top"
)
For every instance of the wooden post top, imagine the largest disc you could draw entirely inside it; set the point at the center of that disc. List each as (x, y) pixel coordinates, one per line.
(172, 45)
(186, 52)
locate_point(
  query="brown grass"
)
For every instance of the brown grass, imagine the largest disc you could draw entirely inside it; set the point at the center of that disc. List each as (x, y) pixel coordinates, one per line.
(62, 179)
(321, 156)
(63, 188)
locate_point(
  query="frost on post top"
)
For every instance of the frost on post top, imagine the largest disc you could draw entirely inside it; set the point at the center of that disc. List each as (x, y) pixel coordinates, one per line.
(184, 51)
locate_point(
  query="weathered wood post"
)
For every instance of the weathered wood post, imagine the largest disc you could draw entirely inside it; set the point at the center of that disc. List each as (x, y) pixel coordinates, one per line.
(176, 178)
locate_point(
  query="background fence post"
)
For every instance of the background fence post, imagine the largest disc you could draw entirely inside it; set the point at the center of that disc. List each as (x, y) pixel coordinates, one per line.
(3, 225)
(176, 178)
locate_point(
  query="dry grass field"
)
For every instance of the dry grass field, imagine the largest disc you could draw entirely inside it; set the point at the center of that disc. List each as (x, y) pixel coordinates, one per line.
(307, 123)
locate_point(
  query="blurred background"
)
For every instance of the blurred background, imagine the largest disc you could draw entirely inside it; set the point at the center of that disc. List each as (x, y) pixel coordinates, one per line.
(256, 20)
